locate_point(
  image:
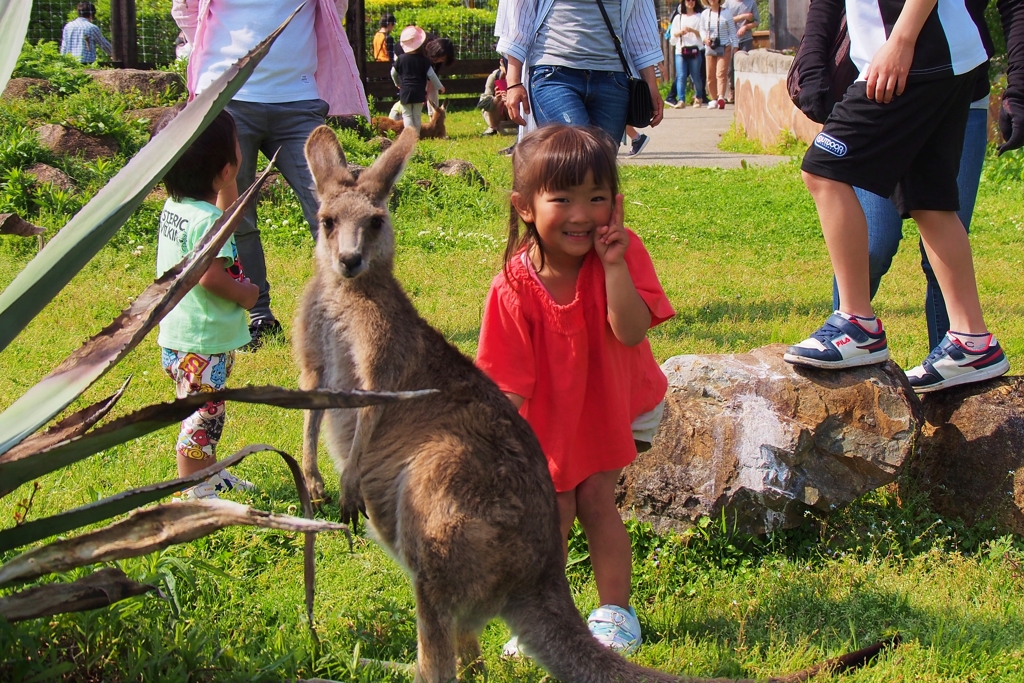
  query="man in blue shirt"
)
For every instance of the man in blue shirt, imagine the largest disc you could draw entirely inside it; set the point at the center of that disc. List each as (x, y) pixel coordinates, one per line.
(82, 37)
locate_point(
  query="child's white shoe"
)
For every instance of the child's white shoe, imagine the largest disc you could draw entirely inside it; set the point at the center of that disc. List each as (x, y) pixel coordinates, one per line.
(616, 628)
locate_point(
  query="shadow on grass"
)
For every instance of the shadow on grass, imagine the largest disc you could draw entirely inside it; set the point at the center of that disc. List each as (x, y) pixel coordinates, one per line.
(802, 615)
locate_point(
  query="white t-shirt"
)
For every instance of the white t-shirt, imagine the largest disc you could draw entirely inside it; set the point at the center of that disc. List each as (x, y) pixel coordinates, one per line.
(687, 39)
(234, 27)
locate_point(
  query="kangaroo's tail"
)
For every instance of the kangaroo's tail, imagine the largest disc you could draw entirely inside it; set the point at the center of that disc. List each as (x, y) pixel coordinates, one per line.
(551, 631)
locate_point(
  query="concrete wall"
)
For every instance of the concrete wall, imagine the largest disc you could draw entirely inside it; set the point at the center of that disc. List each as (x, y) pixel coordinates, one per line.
(763, 107)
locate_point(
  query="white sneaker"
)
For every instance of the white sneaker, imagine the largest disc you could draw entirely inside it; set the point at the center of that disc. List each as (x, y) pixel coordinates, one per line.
(713, 104)
(951, 364)
(512, 649)
(224, 481)
(204, 490)
(615, 628)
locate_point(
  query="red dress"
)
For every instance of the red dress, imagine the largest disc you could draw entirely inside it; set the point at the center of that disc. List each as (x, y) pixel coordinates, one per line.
(583, 387)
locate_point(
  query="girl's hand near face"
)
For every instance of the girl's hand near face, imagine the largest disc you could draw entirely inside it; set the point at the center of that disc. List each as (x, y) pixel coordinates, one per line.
(628, 315)
(612, 239)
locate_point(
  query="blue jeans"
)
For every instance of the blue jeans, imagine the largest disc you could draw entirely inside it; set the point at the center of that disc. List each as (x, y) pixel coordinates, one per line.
(559, 94)
(885, 227)
(281, 127)
(689, 66)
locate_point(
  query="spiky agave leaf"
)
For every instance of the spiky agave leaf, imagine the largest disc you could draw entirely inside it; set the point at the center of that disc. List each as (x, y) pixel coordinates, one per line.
(71, 427)
(99, 589)
(14, 15)
(22, 463)
(96, 223)
(148, 530)
(91, 360)
(36, 530)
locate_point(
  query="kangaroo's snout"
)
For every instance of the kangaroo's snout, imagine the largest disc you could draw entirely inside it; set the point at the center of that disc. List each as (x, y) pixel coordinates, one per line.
(351, 264)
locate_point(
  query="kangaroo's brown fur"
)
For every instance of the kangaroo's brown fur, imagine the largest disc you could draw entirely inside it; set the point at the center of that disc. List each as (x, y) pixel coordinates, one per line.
(455, 486)
(384, 125)
(435, 128)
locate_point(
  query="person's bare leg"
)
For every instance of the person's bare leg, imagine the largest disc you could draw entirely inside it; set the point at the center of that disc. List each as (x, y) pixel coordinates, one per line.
(566, 516)
(846, 235)
(610, 551)
(949, 252)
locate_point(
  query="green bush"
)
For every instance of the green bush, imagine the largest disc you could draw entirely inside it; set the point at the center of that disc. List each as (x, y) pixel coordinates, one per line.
(472, 30)
(44, 60)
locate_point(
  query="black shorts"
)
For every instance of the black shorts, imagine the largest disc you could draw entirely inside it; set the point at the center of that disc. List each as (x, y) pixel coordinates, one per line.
(908, 150)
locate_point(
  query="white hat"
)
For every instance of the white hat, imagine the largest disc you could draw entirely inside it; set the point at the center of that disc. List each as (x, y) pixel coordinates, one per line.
(412, 37)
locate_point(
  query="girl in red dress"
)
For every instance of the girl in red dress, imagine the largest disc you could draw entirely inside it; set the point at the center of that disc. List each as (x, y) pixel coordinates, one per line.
(564, 336)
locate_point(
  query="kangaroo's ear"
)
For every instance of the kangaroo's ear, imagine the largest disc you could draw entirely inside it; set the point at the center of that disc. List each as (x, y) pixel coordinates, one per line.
(378, 180)
(326, 159)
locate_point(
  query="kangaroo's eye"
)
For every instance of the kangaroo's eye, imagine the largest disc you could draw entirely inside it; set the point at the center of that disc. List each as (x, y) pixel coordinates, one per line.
(376, 223)
(327, 223)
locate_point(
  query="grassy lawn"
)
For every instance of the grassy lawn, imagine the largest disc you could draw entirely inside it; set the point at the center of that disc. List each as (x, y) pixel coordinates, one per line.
(742, 259)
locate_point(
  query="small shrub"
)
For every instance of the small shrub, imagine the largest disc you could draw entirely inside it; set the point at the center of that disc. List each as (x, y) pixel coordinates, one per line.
(44, 60)
(19, 147)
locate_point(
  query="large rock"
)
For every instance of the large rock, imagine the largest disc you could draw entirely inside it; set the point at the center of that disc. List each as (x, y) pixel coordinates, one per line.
(971, 461)
(146, 82)
(66, 141)
(752, 434)
(21, 88)
(152, 114)
(54, 176)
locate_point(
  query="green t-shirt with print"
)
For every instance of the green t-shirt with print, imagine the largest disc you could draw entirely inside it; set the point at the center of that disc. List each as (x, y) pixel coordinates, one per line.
(201, 322)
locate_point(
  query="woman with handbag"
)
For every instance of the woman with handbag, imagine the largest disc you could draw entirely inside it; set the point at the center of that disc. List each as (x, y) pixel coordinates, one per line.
(578, 70)
(687, 41)
(718, 33)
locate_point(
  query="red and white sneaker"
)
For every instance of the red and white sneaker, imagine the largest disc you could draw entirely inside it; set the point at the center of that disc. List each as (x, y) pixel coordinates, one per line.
(952, 363)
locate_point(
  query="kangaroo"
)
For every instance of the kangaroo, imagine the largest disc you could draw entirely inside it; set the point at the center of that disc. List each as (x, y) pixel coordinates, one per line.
(435, 127)
(455, 486)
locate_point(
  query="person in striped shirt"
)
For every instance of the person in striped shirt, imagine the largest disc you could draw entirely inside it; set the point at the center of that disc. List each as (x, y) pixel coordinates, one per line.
(81, 37)
(563, 52)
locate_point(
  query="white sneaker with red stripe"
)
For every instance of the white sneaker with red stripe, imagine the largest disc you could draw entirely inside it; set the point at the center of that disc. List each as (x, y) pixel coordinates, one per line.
(953, 362)
(842, 342)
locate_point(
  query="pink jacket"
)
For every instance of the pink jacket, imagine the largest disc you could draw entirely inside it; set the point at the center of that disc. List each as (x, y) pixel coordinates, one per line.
(337, 78)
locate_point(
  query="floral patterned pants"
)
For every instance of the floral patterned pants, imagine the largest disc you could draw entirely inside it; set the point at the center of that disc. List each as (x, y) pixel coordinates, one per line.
(195, 373)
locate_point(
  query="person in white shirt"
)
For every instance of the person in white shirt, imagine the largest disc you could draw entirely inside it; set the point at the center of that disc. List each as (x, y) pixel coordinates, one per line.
(685, 31)
(718, 33)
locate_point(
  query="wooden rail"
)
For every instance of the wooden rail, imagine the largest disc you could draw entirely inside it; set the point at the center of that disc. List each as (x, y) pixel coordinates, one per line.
(465, 76)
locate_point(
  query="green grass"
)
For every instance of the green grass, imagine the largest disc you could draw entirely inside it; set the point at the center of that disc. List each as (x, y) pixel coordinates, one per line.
(741, 257)
(736, 140)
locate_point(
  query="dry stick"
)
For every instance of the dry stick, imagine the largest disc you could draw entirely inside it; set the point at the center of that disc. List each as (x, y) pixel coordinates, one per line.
(852, 660)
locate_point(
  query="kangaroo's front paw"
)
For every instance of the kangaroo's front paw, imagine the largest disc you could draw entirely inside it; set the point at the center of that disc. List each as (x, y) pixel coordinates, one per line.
(351, 504)
(317, 494)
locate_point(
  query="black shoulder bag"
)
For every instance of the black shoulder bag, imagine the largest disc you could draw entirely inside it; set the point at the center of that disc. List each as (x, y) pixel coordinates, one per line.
(640, 110)
(816, 87)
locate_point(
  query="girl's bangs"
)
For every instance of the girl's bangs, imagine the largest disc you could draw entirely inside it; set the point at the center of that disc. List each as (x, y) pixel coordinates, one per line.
(569, 155)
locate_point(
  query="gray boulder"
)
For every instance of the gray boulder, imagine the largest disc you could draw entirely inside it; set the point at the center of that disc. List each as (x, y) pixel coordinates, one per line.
(54, 176)
(27, 88)
(66, 141)
(145, 82)
(766, 441)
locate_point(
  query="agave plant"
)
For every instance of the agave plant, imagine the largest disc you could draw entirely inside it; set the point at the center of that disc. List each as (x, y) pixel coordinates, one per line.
(27, 453)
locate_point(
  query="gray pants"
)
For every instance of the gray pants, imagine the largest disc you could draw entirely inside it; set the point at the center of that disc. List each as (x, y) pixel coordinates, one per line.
(283, 128)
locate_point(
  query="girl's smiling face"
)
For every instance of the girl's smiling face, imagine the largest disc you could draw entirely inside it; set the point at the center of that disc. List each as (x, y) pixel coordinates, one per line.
(567, 220)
